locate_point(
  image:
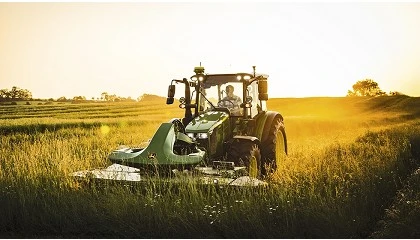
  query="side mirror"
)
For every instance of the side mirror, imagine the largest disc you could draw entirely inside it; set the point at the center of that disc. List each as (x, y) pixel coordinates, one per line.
(262, 90)
(171, 94)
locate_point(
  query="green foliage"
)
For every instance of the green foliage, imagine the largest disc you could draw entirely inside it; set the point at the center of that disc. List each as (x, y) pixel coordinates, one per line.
(366, 87)
(15, 94)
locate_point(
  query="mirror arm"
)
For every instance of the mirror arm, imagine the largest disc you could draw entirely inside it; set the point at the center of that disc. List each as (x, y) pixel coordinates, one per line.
(177, 81)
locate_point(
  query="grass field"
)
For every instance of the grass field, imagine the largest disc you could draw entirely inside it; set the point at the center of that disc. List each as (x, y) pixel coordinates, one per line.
(352, 172)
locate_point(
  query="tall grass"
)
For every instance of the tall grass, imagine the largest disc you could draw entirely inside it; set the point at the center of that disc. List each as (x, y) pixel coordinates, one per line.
(402, 218)
(337, 182)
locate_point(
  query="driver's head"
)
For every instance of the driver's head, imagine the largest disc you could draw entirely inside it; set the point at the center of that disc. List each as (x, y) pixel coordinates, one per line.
(229, 90)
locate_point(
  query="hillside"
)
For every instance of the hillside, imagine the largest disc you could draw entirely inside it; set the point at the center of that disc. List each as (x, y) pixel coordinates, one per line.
(402, 106)
(329, 107)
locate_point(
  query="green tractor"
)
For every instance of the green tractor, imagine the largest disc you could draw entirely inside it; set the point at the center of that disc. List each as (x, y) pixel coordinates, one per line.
(221, 135)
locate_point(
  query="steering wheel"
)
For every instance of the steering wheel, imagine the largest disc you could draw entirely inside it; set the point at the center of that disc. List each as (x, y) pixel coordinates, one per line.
(222, 103)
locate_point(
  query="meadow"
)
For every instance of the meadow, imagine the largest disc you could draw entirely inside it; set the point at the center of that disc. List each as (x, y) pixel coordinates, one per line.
(352, 172)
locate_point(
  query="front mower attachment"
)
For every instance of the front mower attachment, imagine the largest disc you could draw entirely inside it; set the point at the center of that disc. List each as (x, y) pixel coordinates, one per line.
(115, 172)
(200, 175)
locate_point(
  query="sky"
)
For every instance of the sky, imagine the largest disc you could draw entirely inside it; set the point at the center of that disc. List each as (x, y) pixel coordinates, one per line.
(307, 48)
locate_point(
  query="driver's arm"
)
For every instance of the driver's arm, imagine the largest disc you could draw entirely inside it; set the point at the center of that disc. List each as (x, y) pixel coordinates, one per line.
(238, 102)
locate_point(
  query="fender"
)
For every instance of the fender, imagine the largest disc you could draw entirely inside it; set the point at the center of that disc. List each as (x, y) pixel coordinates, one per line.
(246, 138)
(241, 139)
(159, 151)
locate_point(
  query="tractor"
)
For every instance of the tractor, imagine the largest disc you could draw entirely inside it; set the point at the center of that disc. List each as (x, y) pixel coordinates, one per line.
(220, 135)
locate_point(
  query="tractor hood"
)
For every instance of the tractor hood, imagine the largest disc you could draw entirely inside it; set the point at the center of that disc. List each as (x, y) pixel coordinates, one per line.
(206, 122)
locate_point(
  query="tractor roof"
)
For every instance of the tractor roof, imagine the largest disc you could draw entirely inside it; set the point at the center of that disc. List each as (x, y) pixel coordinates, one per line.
(217, 79)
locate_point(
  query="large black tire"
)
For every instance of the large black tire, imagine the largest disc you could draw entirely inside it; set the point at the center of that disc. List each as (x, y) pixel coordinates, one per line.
(246, 153)
(274, 148)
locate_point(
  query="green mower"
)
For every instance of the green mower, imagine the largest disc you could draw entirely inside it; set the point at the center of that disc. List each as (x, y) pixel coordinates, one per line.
(223, 138)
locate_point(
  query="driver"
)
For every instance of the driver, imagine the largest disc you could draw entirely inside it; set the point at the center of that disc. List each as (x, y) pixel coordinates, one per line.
(231, 99)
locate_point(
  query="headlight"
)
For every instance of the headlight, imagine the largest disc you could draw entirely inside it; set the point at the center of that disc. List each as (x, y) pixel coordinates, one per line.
(200, 78)
(194, 78)
(191, 135)
(202, 135)
(239, 77)
(247, 77)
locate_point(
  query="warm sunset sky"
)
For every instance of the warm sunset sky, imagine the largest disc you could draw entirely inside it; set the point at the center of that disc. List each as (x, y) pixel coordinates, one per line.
(307, 48)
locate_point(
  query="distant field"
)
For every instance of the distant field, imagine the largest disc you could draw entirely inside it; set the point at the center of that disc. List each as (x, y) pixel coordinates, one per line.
(350, 173)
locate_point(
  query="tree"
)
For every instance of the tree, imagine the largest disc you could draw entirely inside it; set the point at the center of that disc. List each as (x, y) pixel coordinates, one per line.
(4, 93)
(62, 99)
(24, 94)
(112, 98)
(366, 87)
(104, 96)
(79, 98)
(15, 94)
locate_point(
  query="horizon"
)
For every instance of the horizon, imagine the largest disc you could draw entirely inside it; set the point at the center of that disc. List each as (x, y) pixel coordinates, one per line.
(308, 49)
(164, 97)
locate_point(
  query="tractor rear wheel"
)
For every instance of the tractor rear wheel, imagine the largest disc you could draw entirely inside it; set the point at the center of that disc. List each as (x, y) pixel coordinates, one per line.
(274, 148)
(246, 153)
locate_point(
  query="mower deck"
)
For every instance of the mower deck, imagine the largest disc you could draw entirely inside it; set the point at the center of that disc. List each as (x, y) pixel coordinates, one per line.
(203, 175)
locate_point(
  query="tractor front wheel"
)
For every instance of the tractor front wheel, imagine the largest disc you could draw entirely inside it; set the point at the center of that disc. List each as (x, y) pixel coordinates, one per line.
(246, 153)
(274, 148)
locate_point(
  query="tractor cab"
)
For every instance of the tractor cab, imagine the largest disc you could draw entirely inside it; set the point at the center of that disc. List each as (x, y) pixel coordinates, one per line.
(241, 95)
(231, 91)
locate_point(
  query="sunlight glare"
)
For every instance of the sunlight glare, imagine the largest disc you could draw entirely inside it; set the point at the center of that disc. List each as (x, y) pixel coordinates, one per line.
(105, 129)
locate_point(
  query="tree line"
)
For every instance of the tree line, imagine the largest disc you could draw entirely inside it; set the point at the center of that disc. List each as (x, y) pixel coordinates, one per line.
(366, 87)
(19, 94)
(104, 97)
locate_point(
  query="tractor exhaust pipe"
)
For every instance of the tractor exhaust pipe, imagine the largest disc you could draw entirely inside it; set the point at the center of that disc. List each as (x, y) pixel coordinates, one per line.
(188, 114)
